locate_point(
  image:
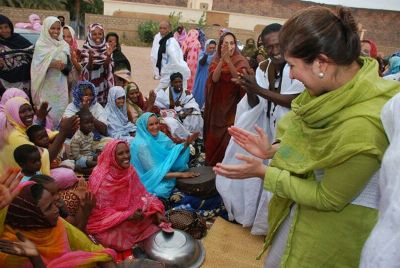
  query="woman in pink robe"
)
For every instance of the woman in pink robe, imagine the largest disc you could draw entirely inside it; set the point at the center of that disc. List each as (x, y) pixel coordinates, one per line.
(125, 213)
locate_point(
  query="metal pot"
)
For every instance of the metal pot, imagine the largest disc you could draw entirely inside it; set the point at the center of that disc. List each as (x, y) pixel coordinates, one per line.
(175, 250)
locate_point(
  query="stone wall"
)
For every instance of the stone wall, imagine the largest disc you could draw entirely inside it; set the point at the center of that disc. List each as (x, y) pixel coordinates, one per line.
(177, 3)
(381, 25)
(126, 26)
(22, 14)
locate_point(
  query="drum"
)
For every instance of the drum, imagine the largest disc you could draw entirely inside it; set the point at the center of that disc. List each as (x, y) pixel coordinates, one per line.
(202, 186)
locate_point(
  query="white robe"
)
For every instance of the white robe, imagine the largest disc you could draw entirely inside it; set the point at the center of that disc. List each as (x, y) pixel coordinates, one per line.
(381, 248)
(192, 123)
(154, 54)
(172, 62)
(242, 197)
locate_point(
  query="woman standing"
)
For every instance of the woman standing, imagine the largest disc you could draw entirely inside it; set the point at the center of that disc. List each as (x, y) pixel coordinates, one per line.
(205, 58)
(15, 58)
(121, 62)
(222, 96)
(75, 74)
(191, 48)
(324, 171)
(50, 68)
(97, 62)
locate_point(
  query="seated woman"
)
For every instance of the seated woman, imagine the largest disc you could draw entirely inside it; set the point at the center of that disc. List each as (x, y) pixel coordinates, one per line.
(54, 242)
(125, 213)
(118, 126)
(136, 104)
(157, 159)
(18, 117)
(85, 97)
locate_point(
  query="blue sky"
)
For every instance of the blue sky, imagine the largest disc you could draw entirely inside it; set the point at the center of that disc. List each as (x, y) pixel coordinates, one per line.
(371, 4)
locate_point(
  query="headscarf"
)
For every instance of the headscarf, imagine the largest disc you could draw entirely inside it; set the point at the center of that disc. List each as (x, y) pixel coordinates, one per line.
(46, 50)
(394, 65)
(250, 50)
(61, 246)
(153, 157)
(120, 60)
(162, 49)
(8, 94)
(140, 105)
(74, 45)
(99, 55)
(12, 119)
(237, 58)
(24, 213)
(15, 41)
(123, 184)
(374, 49)
(77, 93)
(191, 41)
(99, 50)
(180, 37)
(118, 123)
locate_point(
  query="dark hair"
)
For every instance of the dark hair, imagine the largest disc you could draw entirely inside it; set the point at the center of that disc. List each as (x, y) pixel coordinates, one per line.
(22, 153)
(212, 42)
(271, 28)
(58, 17)
(113, 34)
(33, 130)
(84, 114)
(42, 179)
(318, 30)
(221, 41)
(175, 76)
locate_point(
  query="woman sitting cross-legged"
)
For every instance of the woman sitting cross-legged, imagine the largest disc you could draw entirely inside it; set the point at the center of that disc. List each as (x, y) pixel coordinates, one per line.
(125, 213)
(157, 159)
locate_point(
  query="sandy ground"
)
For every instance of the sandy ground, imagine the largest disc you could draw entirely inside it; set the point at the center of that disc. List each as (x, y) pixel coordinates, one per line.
(142, 73)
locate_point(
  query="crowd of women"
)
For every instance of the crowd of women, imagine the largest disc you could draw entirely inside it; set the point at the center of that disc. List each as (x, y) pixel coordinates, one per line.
(328, 166)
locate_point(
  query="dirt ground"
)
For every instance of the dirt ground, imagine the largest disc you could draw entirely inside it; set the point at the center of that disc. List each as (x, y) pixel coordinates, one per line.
(142, 73)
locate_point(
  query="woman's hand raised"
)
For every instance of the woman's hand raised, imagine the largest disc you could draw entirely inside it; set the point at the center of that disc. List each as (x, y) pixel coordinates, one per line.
(252, 167)
(191, 138)
(24, 247)
(257, 145)
(8, 186)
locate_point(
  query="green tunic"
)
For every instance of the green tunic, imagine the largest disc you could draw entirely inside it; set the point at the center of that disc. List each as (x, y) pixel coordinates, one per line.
(340, 133)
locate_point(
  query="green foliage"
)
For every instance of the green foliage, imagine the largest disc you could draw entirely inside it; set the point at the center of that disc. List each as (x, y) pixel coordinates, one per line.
(175, 19)
(201, 23)
(147, 30)
(36, 4)
(87, 6)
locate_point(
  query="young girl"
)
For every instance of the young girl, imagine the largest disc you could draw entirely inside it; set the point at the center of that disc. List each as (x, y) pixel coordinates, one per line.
(119, 126)
(97, 62)
(74, 75)
(50, 68)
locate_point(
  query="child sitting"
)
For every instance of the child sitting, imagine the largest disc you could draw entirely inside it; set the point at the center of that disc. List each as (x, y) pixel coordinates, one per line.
(28, 158)
(63, 174)
(82, 144)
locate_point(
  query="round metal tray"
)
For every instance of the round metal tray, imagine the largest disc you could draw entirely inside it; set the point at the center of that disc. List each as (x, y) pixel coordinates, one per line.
(175, 250)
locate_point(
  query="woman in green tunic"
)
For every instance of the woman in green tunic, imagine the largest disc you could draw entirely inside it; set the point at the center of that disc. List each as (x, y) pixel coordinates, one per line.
(323, 171)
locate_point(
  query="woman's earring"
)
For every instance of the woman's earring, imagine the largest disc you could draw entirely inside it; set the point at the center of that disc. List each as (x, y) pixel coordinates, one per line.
(321, 75)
